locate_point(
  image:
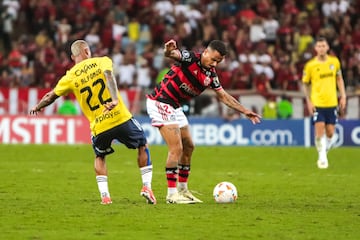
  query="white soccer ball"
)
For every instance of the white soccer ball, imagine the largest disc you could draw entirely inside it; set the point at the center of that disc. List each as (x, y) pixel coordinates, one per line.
(225, 192)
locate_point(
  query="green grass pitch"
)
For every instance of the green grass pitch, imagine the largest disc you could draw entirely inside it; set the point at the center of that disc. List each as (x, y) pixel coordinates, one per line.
(50, 192)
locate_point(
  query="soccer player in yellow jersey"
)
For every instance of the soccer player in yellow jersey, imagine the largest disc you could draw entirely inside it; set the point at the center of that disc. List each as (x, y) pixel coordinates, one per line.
(92, 82)
(322, 79)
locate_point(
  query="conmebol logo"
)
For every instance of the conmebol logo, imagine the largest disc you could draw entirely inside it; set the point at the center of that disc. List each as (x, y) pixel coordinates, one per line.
(272, 137)
(228, 134)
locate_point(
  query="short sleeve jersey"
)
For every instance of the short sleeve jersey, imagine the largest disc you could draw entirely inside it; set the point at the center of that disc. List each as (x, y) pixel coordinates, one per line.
(322, 77)
(185, 80)
(88, 83)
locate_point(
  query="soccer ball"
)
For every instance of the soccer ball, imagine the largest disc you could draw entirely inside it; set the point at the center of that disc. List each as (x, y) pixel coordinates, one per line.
(225, 192)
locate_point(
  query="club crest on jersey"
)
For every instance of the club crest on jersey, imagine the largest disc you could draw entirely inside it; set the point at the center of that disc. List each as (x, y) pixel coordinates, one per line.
(185, 56)
(332, 66)
(207, 81)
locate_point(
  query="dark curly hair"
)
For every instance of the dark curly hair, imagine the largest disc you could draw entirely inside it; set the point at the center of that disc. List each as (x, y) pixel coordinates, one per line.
(218, 46)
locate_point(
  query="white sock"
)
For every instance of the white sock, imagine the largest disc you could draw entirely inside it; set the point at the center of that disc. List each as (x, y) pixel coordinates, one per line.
(328, 143)
(320, 144)
(182, 185)
(171, 191)
(146, 175)
(102, 182)
(323, 148)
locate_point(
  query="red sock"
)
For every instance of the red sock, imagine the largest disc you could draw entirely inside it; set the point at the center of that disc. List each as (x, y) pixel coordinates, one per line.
(171, 176)
(184, 171)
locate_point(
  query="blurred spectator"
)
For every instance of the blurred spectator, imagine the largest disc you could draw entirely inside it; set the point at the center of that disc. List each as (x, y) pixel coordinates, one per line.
(303, 39)
(271, 38)
(351, 83)
(26, 78)
(61, 64)
(241, 77)
(133, 30)
(262, 62)
(62, 32)
(206, 105)
(143, 74)
(284, 108)
(257, 31)
(269, 110)
(68, 108)
(12, 7)
(16, 60)
(208, 30)
(270, 26)
(7, 79)
(292, 80)
(261, 83)
(92, 37)
(246, 14)
(144, 38)
(117, 57)
(127, 70)
(315, 21)
(7, 26)
(163, 71)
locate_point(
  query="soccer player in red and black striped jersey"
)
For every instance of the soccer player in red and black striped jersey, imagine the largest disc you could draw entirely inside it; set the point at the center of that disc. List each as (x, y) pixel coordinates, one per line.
(188, 78)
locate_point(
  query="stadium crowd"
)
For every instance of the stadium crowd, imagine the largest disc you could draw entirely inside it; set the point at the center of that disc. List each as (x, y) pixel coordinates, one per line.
(269, 40)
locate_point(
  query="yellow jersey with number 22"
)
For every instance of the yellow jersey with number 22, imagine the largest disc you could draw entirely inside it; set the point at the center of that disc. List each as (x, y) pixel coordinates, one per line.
(86, 80)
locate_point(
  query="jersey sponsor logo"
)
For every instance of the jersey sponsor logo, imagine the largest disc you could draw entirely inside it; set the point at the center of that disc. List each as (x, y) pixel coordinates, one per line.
(189, 89)
(106, 116)
(326, 75)
(85, 69)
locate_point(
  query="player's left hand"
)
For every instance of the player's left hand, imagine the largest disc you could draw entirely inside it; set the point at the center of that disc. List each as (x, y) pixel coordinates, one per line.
(342, 104)
(253, 117)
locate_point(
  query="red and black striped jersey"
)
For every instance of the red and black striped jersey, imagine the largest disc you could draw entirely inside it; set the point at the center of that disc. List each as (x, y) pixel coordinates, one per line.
(185, 80)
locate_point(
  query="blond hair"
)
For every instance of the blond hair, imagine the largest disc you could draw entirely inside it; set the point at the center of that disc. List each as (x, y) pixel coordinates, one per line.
(77, 46)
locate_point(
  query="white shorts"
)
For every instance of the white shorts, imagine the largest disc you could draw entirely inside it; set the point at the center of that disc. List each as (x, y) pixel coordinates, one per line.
(164, 114)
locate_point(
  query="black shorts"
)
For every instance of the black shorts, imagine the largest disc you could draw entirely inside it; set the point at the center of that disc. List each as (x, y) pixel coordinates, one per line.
(327, 115)
(129, 133)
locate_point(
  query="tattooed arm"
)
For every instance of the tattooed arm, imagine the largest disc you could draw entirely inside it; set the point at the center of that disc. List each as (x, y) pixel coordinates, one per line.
(112, 87)
(46, 100)
(231, 102)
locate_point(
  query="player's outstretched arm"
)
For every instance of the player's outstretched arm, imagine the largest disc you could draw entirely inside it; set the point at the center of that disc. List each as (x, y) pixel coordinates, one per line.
(231, 102)
(46, 100)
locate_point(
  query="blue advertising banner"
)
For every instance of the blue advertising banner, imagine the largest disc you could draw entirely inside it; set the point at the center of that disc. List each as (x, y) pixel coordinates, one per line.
(347, 133)
(217, 131)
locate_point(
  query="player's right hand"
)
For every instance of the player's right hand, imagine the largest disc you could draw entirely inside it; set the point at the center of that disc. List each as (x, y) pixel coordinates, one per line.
(34, 110)
(170, 45)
